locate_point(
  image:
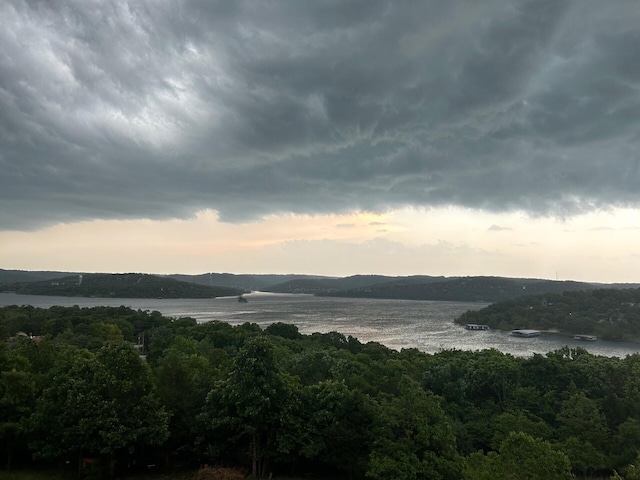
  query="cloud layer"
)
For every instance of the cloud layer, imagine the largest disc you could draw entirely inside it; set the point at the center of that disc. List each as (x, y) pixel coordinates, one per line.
(160, 109)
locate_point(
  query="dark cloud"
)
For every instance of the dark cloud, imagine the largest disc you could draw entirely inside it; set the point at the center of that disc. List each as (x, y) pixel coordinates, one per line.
(158, 109)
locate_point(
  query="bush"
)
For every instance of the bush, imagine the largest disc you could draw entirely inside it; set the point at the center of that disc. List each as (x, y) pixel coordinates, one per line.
(218, 473)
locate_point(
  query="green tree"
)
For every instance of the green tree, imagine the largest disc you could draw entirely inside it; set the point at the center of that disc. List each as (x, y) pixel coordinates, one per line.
(630, 472)
(518, 421)
(184, 378)
(625, 443)
(521, 457)
(414, 439)
(247, 405)
(17, 398)
(330, 425)
(284, 330)
(492, 376)
(583, 432)
(98, 404)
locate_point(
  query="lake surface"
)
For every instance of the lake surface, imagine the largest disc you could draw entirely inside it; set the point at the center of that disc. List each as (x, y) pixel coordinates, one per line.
(427, 326)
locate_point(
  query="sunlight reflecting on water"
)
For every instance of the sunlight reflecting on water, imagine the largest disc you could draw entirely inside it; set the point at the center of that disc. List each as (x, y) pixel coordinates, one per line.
(427, 326)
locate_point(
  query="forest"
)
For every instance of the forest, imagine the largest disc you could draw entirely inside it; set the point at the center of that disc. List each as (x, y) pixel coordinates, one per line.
(105, 391)
(124, 285)
(460, 289)
(612, 314)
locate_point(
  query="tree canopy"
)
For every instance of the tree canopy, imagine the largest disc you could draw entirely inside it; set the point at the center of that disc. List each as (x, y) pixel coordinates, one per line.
(129, 388)
(607, 313)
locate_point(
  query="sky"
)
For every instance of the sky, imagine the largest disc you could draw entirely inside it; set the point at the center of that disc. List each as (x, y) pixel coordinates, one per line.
(322, 137)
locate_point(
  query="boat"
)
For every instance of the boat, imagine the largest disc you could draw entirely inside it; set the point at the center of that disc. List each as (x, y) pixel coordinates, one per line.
(475, 326)
(525, 333)
(242, 299)
(585, 338)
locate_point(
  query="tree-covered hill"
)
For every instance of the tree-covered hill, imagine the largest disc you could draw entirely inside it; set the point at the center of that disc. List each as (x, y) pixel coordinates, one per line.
(18, 276)
(243, 281)
(461, 289)
(129, 285)
(416, 287)
(327, 285)
(607, 313)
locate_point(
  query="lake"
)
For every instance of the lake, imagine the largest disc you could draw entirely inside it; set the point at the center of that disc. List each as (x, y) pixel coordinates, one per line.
(427, 326)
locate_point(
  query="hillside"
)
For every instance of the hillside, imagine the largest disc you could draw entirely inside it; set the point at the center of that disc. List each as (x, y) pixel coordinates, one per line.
(327, 285)
(417, 287)
(463, 289)
(612, 314)
(242, 281)
(15, 276)
(130, 285)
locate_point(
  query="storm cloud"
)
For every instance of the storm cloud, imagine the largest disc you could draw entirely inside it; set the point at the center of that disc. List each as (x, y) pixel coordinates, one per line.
(140, 109)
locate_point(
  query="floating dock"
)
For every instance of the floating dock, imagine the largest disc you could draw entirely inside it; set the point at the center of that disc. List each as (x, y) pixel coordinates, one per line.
(475, 326)
(586, 338)
(525, 333)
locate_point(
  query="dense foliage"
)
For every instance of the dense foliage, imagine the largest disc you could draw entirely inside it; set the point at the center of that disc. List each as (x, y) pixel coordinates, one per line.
(249, 282)
(420, 287)
(607, 313)
(127, 285)
(415, 287)
(117, 388)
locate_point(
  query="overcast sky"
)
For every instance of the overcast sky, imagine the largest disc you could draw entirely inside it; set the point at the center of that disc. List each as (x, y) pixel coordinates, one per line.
(328, 137)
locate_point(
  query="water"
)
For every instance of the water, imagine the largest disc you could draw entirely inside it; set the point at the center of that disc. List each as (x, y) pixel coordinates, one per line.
(427, 326)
